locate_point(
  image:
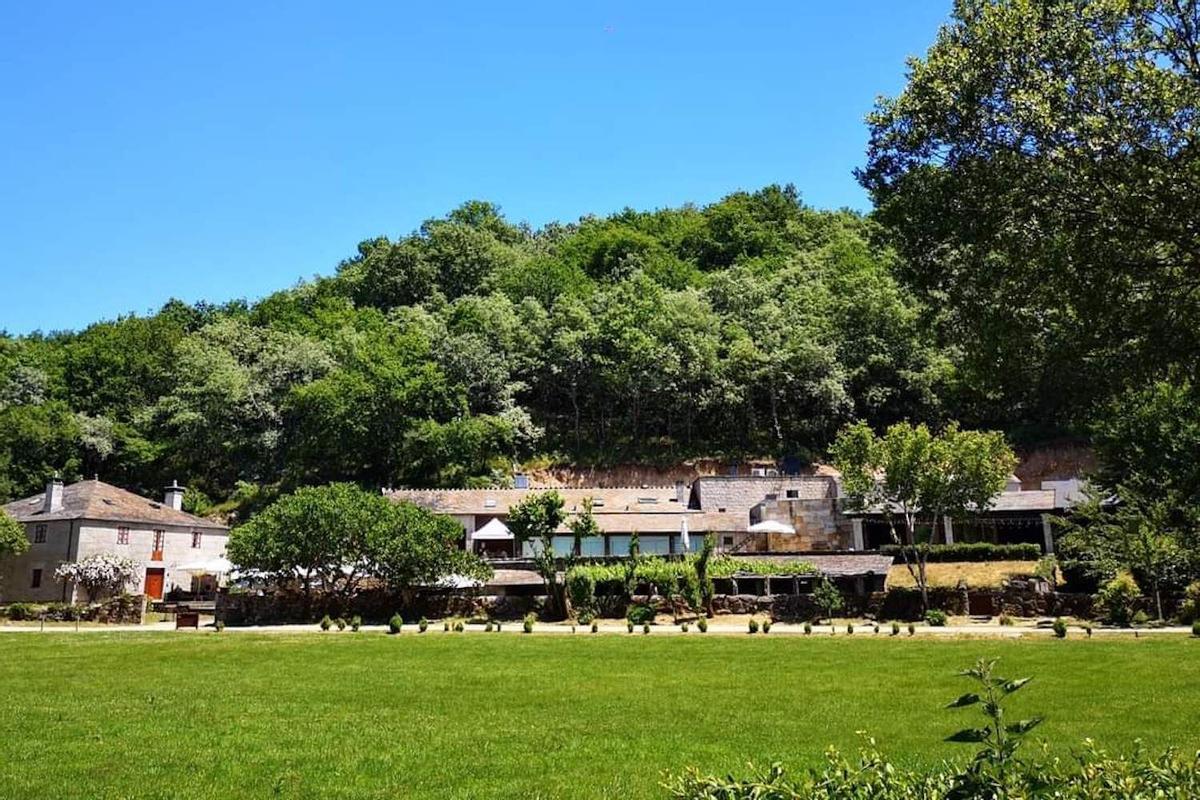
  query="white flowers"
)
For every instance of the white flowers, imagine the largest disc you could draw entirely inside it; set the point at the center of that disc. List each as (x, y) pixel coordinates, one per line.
(103, 572)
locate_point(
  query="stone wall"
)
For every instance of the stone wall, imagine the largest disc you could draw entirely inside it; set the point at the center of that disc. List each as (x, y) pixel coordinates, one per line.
(373, 606)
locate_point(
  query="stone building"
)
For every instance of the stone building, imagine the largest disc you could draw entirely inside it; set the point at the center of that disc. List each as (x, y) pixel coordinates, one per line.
(70, 523)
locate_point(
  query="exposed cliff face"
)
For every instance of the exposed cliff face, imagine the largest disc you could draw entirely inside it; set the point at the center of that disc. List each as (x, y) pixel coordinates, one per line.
(1051, 461)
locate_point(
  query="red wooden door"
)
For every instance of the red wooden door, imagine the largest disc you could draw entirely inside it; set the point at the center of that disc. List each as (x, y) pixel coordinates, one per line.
(154, 583)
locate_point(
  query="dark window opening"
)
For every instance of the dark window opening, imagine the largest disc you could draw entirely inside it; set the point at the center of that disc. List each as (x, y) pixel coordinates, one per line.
(35, 581)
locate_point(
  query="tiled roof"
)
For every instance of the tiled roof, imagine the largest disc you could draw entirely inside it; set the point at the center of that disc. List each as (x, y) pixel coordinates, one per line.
(101, 501)
(497, 501)
(1031, 501)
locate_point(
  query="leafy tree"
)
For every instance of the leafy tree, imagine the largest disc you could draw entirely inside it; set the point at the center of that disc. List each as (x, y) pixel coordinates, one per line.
(923, 478)
(1038, 174)
(828, 598)
(333, 537)
(13, 539)
(536, 520)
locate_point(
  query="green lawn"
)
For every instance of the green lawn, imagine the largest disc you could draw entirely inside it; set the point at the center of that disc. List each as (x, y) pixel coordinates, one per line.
(509, 716)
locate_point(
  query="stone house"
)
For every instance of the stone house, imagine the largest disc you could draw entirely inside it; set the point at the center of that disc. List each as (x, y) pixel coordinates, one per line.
(70, 523)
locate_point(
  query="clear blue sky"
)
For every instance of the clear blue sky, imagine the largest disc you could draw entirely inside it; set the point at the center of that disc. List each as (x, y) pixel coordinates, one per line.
(219, 150)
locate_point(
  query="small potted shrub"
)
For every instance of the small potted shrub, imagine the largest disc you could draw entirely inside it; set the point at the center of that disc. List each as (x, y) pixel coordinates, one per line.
(497, 626)
(935, 618)
(341, 624)
(595, 626)
(766, 626)
(395, 624)
(683, 628)
(487, 628)
(458, 626)
(808, 629)
(753, 625)
(1060, 628)
(895, 629)
(445, 626)
(1087, 628)
(572, 627)
(326, 623)
(1006, 620)
(849, 629)
(1196, 629)
(912, 629)
(527, 623)
(702, 625)
(629, 625)
(423, 625)
(645, 627)
(877, 629)
(220, 625)
(355, 623)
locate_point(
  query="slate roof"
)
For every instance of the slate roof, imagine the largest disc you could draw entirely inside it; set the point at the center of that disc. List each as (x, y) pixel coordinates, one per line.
(1030, 501)
(97, 500)
(644, 500)
(743, 492)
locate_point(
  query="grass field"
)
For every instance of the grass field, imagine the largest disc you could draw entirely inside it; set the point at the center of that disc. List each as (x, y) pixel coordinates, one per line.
(977, 574)
(510, 716)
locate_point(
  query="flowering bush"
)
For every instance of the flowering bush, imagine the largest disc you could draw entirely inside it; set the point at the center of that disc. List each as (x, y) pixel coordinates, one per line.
(103, 573)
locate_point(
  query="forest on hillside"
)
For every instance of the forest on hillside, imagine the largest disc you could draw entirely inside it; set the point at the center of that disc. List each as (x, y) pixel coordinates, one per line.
(1029, 266)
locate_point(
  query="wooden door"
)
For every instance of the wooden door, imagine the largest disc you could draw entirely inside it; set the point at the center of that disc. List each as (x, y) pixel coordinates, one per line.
(154, 582)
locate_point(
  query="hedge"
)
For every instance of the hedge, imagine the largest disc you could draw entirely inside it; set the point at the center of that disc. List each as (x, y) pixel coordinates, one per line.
(970, 551)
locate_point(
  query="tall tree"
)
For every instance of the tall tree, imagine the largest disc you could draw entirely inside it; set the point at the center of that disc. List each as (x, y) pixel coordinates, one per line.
(918, 478)
(536, 519)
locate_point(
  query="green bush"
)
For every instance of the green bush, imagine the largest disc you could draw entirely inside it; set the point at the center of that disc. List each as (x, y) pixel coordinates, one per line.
(807, 628)
(65, 612)
(326, 623)
(766, 626)
(581, 589)
(912, 629)
(445, 626)
(1196, 628)
(1189, 609)
(1141, 619)
(646, 628)
(423, 625)
(683, 628)
(895, 629)
(219, 625)
(595, 626)
(355, 623)
(1006, 620)
(1060, 628)
(1087, 628)
(849, 630)
(487, 627)
(1117, 600)
(935, 618)
(702, 625)
(341, 624)
(753, 625)
(1083, 577)
(641, 614)
(396, 624)
(629, 625)
(528, 623)
(21, 611)
(458, 626)
(876, 629)
(969, 551)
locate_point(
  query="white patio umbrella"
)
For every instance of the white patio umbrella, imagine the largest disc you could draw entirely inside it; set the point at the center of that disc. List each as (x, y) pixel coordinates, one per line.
(684, 539)
(217, 565)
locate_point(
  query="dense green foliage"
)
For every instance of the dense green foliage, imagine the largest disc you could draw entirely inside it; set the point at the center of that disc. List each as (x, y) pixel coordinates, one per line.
(334, 537)
(13, 538)
(614, 712)
(752, 325)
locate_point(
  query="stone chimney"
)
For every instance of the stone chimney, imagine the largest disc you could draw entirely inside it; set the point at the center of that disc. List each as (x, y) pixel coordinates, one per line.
(173, 496)
(54, 496)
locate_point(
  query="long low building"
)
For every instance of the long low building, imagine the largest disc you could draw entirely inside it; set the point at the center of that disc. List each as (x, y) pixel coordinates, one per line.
(745, 514)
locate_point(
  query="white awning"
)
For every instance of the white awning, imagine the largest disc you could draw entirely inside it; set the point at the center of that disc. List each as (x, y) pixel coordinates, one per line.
(771, 526)
(207, 566)
(494, 531)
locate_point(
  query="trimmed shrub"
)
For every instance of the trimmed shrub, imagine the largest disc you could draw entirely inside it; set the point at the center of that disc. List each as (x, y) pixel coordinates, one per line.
(21, 611)
(895, 629)
(807, 628)
(458, 626)
(487, 628)
(1189, 609)
(423, 625)
(445, 626)
(849, 630)
(1141, 619)
(326, 623)
(641, 614)
(396, 624)
(1117, 600)
(1087, 628)
(646, 628)
(219, 625)
(935, 618)
(683, 628)
(969, 551)
(341, 624)
(1005, 620)
(1060, 628)
(595, 626)
(528, 623)
(629, 625)
(877, 629)
(1196, 629)
(355, 623)
(912, 629)
(753, 625)
(766, 626)
(702, 625)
